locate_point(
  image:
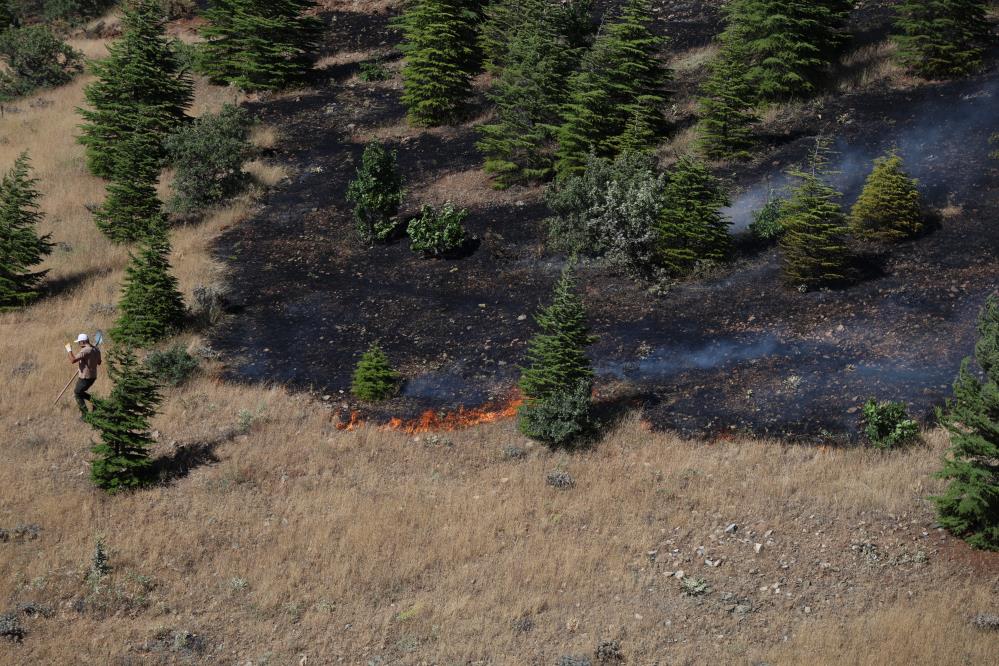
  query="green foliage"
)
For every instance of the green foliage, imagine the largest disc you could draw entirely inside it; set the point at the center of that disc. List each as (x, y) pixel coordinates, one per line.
(557, 378)
(768, 221)
(814, 243)
(889, 207)
(140, 88)
(132, 204)
(887, 424)
(151, 306)
(376, 193)
(374, 378)
(789, 45)
(969, 507)
(373, 70)
(438, 232)
(438, 41)
(618, 89)
(942, 38)
(692, 229)
(559, 419)
(21, 248)
(725, 107)
(172, 366)
(8, 15)
(505, 20)
(208, 156)
(258, 44)
(35, 58)
(529, 92)
(994, 140)
(122, 421)
(611, 210)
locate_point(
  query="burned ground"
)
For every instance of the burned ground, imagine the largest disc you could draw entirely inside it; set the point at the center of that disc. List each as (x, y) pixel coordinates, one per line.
(737, 350)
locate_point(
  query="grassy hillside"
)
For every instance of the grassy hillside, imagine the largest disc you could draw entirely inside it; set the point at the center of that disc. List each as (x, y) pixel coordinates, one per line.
(277, 538)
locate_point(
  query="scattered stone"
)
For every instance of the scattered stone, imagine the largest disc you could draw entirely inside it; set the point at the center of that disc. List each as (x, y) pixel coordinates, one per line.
(732, 529)
(986, 622)
(757, 547)
(560, 479)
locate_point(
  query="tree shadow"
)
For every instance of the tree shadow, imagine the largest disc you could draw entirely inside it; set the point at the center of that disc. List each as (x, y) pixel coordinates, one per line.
(186, 457)
(64, 285)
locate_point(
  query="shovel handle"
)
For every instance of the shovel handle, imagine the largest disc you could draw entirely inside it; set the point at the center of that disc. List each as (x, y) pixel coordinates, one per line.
(64, 389)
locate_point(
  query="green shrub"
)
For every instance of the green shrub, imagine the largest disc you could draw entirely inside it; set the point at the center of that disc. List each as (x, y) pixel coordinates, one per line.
(889, 208)
(208, 156)
(559, 419)
(374, 379)
(767, 224)
(887, 424)
(438, 232)
(376, 193)
(36, 58)
(172, 366)
(374, 71)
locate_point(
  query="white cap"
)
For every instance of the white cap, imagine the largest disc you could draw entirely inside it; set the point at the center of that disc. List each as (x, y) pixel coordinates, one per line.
(83, 337)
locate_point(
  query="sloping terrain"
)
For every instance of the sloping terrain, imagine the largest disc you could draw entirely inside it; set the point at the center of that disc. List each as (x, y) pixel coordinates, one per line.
(734, 350)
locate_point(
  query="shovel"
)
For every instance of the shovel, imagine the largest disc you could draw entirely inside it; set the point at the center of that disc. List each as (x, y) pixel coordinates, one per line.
(98, 339)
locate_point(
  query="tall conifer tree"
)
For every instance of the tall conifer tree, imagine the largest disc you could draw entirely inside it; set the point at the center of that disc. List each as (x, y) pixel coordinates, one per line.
(969, 507)
(942, 38)
(438, 46)
(21, 248)
(122, 420)
(528, 94)
(140, 84)
(620, 83)
(151, 306)
(790, 44)
(258, 44)
(814, 243)
(726, 107)
(132, 205)
(692, 228)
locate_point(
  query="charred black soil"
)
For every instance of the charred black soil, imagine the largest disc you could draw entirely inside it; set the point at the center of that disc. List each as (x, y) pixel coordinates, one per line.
(737, 350)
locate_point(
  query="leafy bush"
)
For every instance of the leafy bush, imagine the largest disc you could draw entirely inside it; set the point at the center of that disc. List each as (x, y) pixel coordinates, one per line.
(611, 210)
(767, 222)
(376, 193)
(560, 418)
(887, 424)
(172, 366)
(36, 58)
(374, 378)
(438, 232)
(208, 155)
(374, 71)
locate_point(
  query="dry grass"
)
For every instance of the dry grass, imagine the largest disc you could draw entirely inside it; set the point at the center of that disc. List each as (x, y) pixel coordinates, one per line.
(304, 541)
(873, 67)
(694, 59)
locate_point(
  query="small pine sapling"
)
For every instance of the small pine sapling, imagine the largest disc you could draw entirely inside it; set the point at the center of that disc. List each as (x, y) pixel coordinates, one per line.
(889, 207)
(374, 379)
(376, 193)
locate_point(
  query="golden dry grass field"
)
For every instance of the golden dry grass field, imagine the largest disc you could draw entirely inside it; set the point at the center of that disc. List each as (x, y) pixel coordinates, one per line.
(297, 543)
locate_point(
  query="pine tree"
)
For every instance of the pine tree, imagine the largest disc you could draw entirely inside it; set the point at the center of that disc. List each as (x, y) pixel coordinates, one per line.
(258, 44)
(132, 205)
(376, 193)
(969, 506)
(621, 79)
(889, 207)
(122, 420)
(8, 17)
(140, 83)
(529, 93)
(692, 228)
(556, 357)
(505, 20)
(790, 44)
(942, 38)
(374, 379)
(151, 306)
(814, 243)
(726, 108)
(21, 248)
(436, 81)
(558, 379)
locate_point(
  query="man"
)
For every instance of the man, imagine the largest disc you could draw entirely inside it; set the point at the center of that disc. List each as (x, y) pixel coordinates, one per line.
(87, 361)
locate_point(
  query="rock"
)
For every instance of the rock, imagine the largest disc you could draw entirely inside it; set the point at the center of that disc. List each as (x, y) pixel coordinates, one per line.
(757, 547)
(678, 575)
(731, 529)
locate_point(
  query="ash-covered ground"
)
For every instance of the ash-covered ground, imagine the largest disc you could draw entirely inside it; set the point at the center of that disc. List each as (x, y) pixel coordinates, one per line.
(736, 351)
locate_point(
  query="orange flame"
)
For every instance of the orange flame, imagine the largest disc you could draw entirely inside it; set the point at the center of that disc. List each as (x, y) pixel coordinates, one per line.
(432, 421)
(353, 424)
